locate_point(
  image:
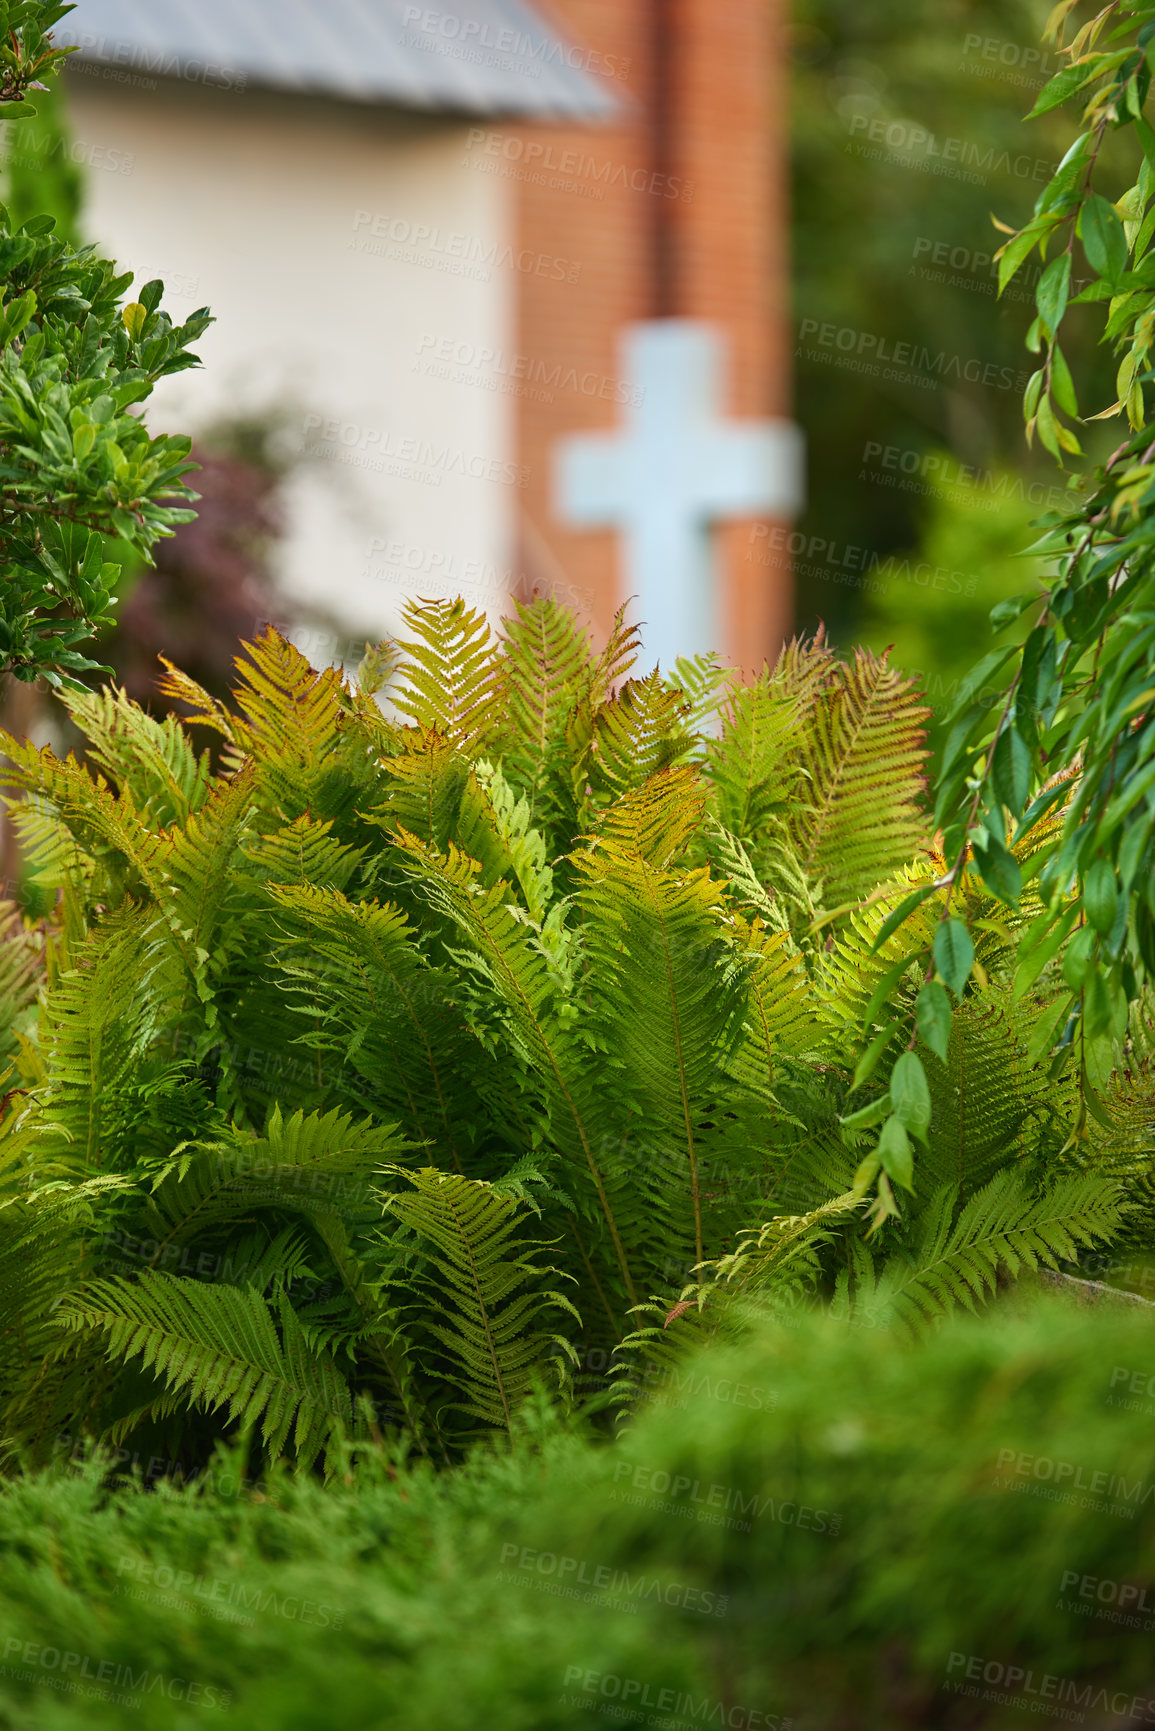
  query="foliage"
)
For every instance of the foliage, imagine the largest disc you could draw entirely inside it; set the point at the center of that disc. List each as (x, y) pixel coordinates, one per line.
(79, 473)
(931, 604)
(906, 134)
(1059, 773)
(758, 1540)
(40, 174)
(412, 1057)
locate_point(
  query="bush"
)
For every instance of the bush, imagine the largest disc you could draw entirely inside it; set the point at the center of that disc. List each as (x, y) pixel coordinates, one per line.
(826, 1526)
(407, 1063)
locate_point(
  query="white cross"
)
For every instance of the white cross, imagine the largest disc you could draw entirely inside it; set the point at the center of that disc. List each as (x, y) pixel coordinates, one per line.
(676, 469)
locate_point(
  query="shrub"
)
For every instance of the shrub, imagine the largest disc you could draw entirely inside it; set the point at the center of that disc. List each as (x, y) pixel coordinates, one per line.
(826, 1526)
(402, 1061)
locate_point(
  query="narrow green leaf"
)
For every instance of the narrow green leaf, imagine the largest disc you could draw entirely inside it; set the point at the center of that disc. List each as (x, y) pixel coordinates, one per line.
(1032, 961)
(932, 1014)
(902, 912)
(1047, 1028)
(1079, 958)
(868, 1062)
(1016, 250)
(1104, 241)
(867, 1116)
(954, 954)
(1101, 896)
(1000, 870)
(894, 1151)
(1063, 85)
(1062, 384)
(886, 986)
(1011, 770)
(910, 1094)
(1051, 294)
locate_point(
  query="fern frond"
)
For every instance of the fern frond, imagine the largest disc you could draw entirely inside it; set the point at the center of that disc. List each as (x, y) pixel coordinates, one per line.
(754, 766)
(1003, 1226)
(218, 1347)
(358, 972)
(643, 730)
(153, 759)
(546, 671)
(450, 679)
(784, 1251)
(484, 1301)
(863, 750)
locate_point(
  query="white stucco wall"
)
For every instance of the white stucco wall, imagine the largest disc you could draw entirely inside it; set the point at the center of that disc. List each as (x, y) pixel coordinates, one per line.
(336, 247)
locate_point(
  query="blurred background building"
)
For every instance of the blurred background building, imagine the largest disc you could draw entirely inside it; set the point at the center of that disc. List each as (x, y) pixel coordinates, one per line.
(437, 243)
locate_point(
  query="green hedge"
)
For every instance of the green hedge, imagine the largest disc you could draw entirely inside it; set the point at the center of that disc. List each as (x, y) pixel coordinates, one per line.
(827, 1526)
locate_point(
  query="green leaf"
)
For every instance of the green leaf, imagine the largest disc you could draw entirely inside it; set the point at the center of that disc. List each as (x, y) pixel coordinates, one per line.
(1096, 1005)
(1006, 612)
(886, 986)
(1017, 249)
(1063, 85)
(904, 909)
(1049, 429)
(1000, 869)
(1101, 896)
(1051, 294)
(910, 1094)
(1032, 961)
(1047, 1027)
(869, 1059)
(894, 1151)
(1079, 958)
(1011, 770)
(932, 1014)
(1062, 384)
(1104, 240)
(867, 1116)
(954, 954)
(135, 318)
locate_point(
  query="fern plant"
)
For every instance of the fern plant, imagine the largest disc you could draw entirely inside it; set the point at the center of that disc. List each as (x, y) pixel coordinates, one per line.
(396, 1065)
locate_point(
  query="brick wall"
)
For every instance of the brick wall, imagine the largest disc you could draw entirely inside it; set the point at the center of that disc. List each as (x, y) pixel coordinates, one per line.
(721, 191)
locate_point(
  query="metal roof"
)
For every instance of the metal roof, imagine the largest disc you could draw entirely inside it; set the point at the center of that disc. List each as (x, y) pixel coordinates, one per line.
(486, 57)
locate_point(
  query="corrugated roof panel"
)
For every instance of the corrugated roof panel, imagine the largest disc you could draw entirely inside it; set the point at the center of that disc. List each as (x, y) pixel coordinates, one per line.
(491, 57)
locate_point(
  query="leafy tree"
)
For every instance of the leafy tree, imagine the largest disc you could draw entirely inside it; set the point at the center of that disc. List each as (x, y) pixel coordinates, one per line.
(82, 485)
(1046, 796)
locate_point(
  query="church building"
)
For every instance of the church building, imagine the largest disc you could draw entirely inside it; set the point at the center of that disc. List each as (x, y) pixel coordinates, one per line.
(511, 279)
